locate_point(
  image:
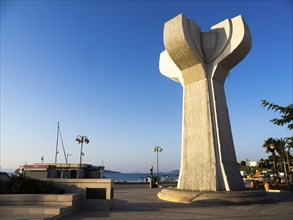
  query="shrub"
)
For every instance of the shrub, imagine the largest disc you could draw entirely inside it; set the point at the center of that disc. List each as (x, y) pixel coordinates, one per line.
(24, 185)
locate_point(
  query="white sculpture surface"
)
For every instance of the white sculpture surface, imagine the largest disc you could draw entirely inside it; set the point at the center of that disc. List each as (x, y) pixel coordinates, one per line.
(201, 62)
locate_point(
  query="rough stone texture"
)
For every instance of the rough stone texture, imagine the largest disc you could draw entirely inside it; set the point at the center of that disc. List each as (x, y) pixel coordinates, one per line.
(201, 62)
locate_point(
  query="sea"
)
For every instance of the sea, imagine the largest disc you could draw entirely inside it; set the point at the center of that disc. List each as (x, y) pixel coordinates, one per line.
(133, 177)
(138, 177)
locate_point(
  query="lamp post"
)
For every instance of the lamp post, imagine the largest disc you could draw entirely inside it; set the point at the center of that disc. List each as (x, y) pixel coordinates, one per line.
(151, 179)
(272, 146)
(158, 149)
(80, 140)
(151, 169)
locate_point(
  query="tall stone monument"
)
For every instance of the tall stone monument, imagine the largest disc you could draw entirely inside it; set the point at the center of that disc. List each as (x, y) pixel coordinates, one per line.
(201, 61)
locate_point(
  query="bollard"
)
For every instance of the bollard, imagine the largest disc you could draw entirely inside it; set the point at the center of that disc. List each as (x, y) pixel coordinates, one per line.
(252, 184)
(267, 187)
(151, 182)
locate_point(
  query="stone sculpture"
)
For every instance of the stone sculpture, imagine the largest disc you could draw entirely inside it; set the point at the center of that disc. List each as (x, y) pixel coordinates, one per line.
(201, 61)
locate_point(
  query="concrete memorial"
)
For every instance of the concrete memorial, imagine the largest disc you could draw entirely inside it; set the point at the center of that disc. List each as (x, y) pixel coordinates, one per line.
(201, 61)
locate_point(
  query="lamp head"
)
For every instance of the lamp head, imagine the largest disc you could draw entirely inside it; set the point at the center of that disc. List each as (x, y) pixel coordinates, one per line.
(86, 140)
(77, 140)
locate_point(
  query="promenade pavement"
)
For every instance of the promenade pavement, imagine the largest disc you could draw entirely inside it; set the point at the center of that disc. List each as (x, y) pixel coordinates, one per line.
(141, 202)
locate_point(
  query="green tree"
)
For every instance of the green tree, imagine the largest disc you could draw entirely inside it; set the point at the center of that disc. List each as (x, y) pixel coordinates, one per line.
(280, 148)
(288, 145)
(281, 144)
(286, 113)
(261, 163)
(267, 164)
(270, 147)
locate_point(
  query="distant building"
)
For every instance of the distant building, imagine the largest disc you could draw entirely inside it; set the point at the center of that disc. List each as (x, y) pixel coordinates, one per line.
(62, 170)
(243, 173)
(40, 171)
(251, 163)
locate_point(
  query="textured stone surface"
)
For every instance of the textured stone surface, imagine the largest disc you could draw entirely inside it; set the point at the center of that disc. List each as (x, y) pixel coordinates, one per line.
(201, 62)
(81, 185)
(37, 206)
(235, 197)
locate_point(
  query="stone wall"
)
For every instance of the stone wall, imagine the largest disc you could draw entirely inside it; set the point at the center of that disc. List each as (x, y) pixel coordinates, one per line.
(95, 193)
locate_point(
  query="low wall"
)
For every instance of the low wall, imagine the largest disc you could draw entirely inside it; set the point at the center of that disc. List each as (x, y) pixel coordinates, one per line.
(33, 205)
(40, 199)
(95, 193)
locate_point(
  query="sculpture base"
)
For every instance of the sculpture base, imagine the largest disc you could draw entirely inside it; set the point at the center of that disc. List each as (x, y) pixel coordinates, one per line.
(233, 197)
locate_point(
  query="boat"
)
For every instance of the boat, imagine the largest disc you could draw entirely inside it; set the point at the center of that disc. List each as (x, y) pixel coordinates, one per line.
(60, 170)
(144, 179)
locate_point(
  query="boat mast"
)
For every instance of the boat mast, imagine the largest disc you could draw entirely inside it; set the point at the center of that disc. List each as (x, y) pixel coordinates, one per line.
(57, 143)
(65, 155)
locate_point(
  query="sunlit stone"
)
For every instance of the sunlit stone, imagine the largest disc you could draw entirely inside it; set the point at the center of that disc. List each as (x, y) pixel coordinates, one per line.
(201, 62)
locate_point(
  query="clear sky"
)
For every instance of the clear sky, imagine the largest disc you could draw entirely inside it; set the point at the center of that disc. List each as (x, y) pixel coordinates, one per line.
(94, 67)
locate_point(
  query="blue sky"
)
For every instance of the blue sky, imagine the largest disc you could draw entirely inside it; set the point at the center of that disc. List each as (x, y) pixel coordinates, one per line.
(93, 66)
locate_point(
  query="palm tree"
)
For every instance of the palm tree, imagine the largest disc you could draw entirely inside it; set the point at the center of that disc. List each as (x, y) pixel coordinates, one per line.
(288, 146)
(261, 163)
(281, 150)
(267, 164)
(270, 147)
(285, 111)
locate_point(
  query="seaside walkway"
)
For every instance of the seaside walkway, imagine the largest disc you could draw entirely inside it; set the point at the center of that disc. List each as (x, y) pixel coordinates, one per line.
(134, 201)
(137, 201)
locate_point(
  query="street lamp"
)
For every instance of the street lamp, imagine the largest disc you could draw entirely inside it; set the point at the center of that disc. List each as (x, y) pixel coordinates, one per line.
(80, 140)
(158, 149)
(272, 147)
(151, 169)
